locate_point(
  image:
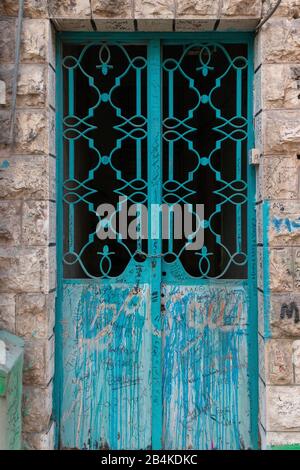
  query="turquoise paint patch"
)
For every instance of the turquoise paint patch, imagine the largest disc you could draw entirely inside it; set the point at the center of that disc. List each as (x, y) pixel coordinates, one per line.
(266, 269)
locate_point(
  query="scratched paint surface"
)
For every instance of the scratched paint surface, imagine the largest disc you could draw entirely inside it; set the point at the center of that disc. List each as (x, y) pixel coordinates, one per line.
(106, 398)
(205, 380)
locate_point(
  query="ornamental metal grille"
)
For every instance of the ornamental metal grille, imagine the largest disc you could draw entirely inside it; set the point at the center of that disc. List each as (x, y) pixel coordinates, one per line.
(203, 154)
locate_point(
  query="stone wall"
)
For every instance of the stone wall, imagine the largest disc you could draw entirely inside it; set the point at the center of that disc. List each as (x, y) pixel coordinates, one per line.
(27, 187)
(277, 129)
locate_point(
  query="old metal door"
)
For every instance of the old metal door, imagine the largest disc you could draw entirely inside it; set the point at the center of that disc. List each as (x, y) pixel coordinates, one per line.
(155, 341)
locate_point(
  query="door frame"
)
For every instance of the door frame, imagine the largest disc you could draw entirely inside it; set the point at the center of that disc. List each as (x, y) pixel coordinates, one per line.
(159, 38)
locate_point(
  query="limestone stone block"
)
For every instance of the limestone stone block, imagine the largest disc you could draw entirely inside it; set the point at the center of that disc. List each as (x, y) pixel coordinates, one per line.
(262, 402)
(112, 9)
(196, 8)
(34, 40)
(241, 8)
(40, 441)
(228, 23)
(32, 85)
(37, 408)
(282, 441)
(261, 358)
(32, 8)
(10, 223)
(280, 177)
(261, 313)
(155, 24)
(24, 270)
(260, 268)
(7, 40)
(35, 315)
(296, 256)
(70, 9)
(25, 177)
(280, 86)
(279, 41)
(283, 412)
(51, 84)
(287, 8)
(114, 24)
(284, 223)
(296, 361)
(7, 312)
(154, 9)
(259, 223)
(38, 366)
(38, 217)
(280, 132)
(284, 315)
(31, 134)
(279, 364)
(195, 24)
(281, 269)
(72, 24)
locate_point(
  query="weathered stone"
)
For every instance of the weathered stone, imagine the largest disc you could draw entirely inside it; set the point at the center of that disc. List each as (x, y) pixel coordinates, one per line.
(32, 85)
(32, 8)
(296, 273)
(72, 24)
(241, 8)
(7, 40)
(278, 179)
(37, 408)
(155, 24)
(111, 8)
(107, 24)
(282, 441)
(2, 92)
(23, 270)
(296, 361)
(284, 315)
(70, 9)
(261, 358)
(283, 412)
(196, 8)
(40, 441)
(281, 269)
(25, 177)
(279, 367)
(35, 315)
(260, 268)
(287, 8)
(195, 25)
(155, 9)
(238, 24)
(51, 82)
(284, 223)
(34, 41)
(31, 133)
(259, 223)
(37, 219)
(280, 85)
(281, 132)
(279, 41)
(261, 313)
(7, 312)
(262, 403)
(10, 223)
(38, 366)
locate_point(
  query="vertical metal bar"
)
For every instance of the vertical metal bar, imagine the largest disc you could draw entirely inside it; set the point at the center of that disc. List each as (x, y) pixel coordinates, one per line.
(154, 196)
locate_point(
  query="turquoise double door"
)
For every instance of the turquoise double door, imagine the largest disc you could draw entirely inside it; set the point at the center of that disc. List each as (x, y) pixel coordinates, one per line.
(155, 333)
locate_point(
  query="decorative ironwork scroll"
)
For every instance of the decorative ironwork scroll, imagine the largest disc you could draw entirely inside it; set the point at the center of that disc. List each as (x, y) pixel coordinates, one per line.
(105, 141)
(205, 131)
